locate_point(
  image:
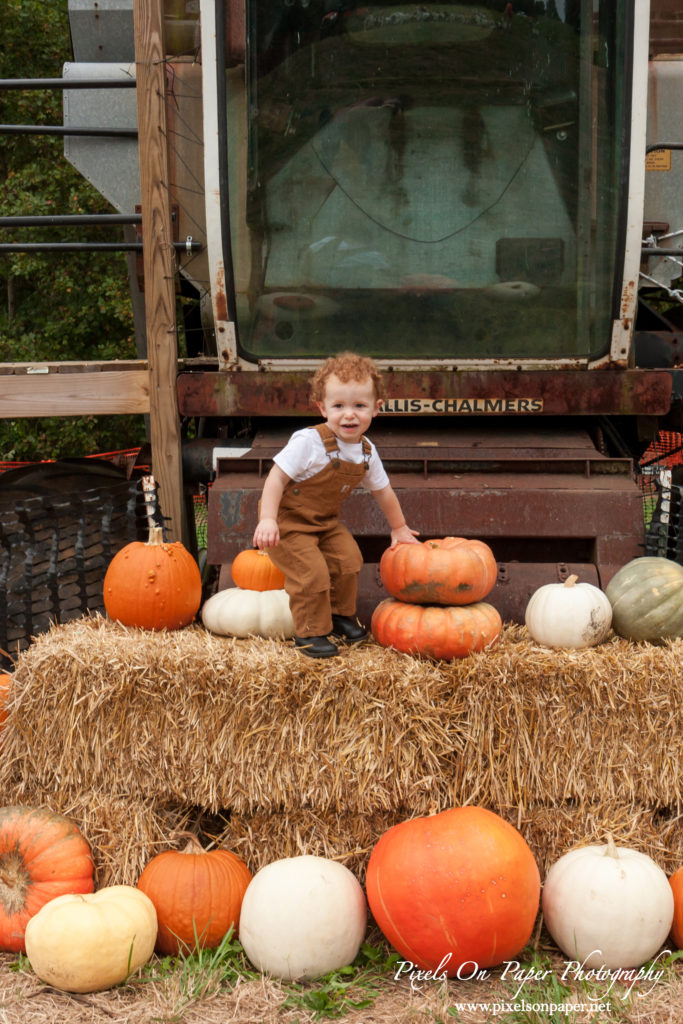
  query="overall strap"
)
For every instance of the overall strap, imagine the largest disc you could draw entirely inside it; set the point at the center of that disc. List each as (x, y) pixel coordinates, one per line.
(327, 437)
(331, 443)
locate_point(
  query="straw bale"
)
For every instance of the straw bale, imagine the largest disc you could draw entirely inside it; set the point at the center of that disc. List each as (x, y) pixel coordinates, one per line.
(139, 732)
(249, 725)
(261, 838)
(124, 834)
(550, 833)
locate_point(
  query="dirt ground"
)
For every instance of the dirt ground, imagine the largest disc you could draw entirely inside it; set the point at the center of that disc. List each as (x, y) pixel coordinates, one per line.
(168, 998)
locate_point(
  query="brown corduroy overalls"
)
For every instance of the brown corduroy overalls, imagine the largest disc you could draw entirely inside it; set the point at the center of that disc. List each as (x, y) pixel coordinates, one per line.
(317, 554)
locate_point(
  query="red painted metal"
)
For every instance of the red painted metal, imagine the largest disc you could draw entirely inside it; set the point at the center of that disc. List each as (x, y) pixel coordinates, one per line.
(559, 392)
(516, 582)
(539, 501)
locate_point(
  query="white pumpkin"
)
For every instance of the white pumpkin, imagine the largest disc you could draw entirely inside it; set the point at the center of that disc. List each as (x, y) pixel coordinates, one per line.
(238, 612)
(89, 942)
(568, 614)
(302, 917)
(607, 906)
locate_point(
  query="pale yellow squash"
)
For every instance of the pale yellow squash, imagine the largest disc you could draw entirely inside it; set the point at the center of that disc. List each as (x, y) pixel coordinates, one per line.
(87, 943)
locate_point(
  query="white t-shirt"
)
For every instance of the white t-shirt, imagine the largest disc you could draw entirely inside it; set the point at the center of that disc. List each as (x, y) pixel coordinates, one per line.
(304, 455)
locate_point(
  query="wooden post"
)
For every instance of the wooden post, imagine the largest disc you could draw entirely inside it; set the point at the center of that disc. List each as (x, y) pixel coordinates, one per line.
(158, 262)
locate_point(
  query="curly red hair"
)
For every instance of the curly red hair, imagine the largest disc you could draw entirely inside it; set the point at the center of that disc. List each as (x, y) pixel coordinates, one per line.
(346, 366)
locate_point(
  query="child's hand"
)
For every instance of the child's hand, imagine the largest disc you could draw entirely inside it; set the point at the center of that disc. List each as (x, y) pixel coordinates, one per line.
(266, 534)
(404, 535)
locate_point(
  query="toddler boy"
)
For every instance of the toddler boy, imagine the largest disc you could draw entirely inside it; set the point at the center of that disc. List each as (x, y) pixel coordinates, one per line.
(299, 509)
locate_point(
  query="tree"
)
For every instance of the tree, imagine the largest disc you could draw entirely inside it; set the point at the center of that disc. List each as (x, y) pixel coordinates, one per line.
(56, 306)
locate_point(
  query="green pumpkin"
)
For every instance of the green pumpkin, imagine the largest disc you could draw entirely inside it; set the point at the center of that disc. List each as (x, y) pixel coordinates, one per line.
(647, 599)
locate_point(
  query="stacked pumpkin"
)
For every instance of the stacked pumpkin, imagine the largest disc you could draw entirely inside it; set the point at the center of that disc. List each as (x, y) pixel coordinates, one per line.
(256, 606)
(437, 605)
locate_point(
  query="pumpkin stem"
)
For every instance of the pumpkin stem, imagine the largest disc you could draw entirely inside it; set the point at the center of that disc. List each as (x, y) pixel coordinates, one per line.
(570, 581)
(156, 536)
(611, 850)
(192, 844)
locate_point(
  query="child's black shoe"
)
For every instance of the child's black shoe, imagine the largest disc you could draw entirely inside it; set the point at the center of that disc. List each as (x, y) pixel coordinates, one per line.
(348, 629)
(315, 646)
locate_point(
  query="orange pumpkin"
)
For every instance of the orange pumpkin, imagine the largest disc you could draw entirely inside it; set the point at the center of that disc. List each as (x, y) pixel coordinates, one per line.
(197, 895)
(5, 680)
(253, 570)
(449, 571)
(153, 585)
(457, 888)
(676, 883)
(42, 855)
(435, 631)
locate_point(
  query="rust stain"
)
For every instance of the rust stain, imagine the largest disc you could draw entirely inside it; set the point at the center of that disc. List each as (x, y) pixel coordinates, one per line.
(562, 392)
(220, 296)
(627, 299)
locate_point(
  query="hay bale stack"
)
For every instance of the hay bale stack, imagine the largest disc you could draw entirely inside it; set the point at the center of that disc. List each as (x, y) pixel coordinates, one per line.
(139, 734)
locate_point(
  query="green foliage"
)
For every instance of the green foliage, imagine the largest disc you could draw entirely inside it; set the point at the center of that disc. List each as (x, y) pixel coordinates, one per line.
(549, 1000)
(180, 984)
(202, 973)
(349, 988)
(33, 440)
(54, 306)
(20, 963)
(197, 974)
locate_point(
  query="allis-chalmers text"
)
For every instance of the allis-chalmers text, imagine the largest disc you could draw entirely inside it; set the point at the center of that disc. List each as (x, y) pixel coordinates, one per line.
(462, 406)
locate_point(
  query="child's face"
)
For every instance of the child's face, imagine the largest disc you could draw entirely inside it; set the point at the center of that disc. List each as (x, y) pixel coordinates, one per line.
(349, 407)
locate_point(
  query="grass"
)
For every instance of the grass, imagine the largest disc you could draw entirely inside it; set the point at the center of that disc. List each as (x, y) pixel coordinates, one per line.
(200, 974)
(218, 985)
(547, 998)
(196, 974)
(536, 991)
(350, 988)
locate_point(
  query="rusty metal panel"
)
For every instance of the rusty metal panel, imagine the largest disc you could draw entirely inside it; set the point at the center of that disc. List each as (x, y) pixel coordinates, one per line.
(525, 518)
(428, 453)
(516, 582)
(510, 509)
(666, 27)
(540, 500)
(439, 392)
(235, 33)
